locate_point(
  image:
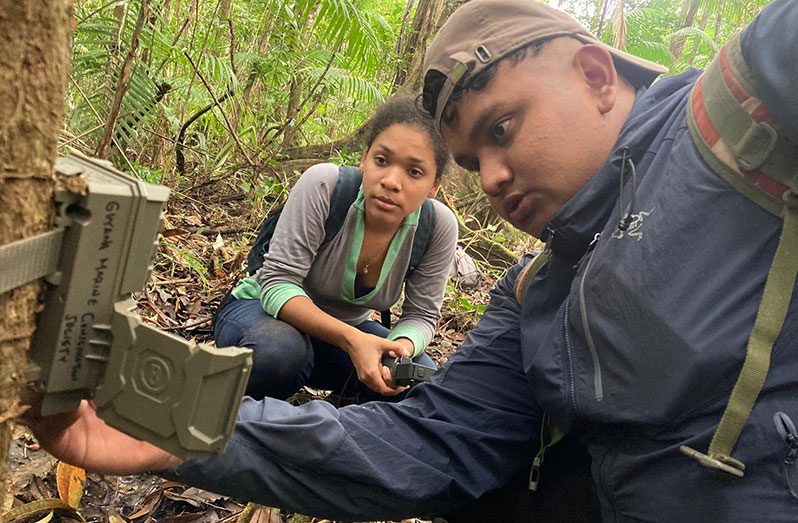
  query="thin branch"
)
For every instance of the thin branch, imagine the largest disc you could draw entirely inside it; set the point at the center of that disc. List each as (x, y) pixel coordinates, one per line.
(288, 122)
(172, 47)
(99, 119)
(180, 159)
(201, 51)
(122, 86)
(221, 110)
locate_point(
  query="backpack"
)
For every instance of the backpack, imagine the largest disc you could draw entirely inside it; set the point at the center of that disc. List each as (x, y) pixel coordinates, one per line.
(343, 196)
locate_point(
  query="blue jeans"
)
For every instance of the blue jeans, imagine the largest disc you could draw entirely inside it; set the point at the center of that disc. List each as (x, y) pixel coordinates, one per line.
(284, 359)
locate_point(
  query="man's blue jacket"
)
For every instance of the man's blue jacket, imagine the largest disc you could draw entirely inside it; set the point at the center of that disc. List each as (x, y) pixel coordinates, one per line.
(634, 339)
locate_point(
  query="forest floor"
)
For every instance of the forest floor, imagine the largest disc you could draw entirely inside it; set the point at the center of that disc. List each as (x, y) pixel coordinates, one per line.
(203, 245)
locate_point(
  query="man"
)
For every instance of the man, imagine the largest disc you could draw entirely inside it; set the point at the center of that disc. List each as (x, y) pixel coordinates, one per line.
(655, 265)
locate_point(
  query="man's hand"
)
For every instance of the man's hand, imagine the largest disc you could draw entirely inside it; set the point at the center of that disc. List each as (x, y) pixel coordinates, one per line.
(82, 439)
(366, 350)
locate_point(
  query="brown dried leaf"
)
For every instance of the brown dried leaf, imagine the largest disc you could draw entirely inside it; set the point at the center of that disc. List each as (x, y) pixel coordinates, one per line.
(114, 517)
(150, 504)
(253, 513)
(194, 220)
(71, 481)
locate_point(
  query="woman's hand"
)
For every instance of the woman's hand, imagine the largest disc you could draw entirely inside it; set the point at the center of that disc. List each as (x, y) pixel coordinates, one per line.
(82, 439)
(366, 351)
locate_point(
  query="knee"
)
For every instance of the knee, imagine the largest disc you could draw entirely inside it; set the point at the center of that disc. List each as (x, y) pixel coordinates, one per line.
(282, 361)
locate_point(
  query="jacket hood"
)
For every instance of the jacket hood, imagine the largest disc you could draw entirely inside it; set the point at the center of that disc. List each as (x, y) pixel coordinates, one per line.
(586, 214)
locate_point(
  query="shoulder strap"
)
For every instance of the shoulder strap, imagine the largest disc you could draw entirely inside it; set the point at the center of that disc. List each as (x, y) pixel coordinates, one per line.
(343, 195)
(423, 236)
(740, 140)
(529, 272)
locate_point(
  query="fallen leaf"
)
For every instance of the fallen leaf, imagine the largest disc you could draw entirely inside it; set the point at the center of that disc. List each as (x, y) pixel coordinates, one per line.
(41, 509)
(47, 518)
(219, 243)
(71, 481)
(38, 465)
(150, 504)
(114, 517)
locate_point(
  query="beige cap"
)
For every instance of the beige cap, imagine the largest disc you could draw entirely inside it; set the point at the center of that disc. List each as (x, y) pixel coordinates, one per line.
(481, 32)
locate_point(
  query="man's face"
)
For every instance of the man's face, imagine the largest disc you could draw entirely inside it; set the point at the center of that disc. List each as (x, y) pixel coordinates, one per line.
(535, 134)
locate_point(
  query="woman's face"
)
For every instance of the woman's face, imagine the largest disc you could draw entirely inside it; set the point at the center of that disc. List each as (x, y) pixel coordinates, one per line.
(398, 173)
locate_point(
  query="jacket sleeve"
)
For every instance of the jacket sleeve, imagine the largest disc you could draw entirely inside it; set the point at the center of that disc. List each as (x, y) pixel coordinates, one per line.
(769, 45)
(424, 289)
(465, 432)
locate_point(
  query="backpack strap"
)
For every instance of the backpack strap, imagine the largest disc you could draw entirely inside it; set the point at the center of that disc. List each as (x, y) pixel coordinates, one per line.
(344, 194)
(423, 236)
(741, 141)
(529, 272)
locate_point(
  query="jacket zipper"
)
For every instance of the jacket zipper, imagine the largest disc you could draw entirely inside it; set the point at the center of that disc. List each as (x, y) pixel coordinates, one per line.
(571, 393)
(568, 357)
(598, 384)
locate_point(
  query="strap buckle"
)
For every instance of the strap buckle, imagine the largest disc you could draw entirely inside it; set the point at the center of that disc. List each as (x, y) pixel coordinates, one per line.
(534, 474)
(717, 462)
(755, 145)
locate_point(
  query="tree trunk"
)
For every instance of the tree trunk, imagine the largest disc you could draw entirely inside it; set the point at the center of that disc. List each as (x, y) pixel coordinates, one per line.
(32, 83)
(427, 20)
(619, 27)
(690, 8)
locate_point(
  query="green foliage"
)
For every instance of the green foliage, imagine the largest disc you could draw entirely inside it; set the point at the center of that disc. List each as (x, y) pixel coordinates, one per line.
(464, 309)
(654, 25)
(339, 53)
(188, 258)
(346, 157)
(147, 174)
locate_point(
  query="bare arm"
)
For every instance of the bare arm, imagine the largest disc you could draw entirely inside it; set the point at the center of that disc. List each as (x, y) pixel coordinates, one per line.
(82, 439)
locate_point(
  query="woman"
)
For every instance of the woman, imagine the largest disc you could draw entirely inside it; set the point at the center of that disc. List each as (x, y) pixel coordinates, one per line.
(306, 312)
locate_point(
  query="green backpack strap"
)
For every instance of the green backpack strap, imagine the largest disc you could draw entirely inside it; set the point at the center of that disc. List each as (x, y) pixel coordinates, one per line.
(742, 143)
(529, 272)
(550, 435)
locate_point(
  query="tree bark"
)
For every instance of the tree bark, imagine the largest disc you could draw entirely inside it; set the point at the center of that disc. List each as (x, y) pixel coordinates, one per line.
(619, 27)
(690, 8)
(427, 20)
(32, 83)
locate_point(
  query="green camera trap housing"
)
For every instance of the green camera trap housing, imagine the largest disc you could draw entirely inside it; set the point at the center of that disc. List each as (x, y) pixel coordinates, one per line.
(91, 344)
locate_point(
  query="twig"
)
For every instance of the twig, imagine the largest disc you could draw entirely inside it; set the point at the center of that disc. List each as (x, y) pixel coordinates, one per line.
(161, 314)
(190, 324)
(224, 114)
(172, 282)
(223, 230)
(122, 86)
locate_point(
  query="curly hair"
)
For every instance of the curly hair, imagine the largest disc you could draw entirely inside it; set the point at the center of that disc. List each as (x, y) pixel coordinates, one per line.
(402, 109)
